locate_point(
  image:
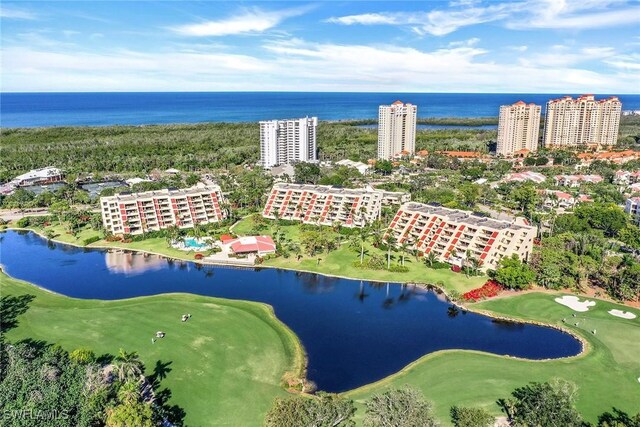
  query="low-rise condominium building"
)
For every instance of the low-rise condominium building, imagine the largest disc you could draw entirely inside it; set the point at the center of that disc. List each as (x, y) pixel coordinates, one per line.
(518, 128)
(456, 236)
(617, 157)
(577, 180)
(582, 121)
(136, 213)
(535, 177)
(626, 178)
(326, 205)
(288, 141)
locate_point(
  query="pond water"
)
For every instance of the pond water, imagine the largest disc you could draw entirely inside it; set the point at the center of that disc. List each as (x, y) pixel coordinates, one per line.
(354, 332)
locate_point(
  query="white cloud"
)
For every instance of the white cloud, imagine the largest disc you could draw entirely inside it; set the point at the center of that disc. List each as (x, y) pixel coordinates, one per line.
(562, 56)
(626, 62)
(14, 13)
(302, 65)
(519, 48)
(575, 15)
(556, 14)
(468, 43)
(250, 21)
(369, 19)
(436, 22)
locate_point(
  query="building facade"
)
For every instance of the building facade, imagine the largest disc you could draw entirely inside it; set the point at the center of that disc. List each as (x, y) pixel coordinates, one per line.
(396, 130)
(582, 121)
(456, 236)
(632, 207)
(325, 205)
(577, 180)
(518, 128)
(288, 141)
(136, 213)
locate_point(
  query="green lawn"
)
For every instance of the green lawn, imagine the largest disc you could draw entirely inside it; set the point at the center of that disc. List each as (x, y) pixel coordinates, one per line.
(339, 263)
(226, 362)
(61, 234)
(607, 375)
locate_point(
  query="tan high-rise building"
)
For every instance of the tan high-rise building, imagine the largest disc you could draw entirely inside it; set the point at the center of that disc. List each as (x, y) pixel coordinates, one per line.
(585, 120)
(518, 128)
(396, 129)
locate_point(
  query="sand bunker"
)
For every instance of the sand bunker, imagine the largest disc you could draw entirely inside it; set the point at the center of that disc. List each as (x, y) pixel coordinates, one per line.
(623, 314)
(574, 303)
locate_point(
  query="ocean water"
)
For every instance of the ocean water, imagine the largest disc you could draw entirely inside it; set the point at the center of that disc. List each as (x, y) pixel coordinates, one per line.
(129, 108)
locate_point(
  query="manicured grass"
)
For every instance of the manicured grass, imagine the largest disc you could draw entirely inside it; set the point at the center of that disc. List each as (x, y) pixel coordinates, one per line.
(244, 227)
(340, 263)
(61, 234)
(607, 375)
(155, 244)
(226, 363)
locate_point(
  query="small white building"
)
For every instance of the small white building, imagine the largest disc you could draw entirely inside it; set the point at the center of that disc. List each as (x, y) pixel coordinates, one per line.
(361, 167)
(632, 207)
(536, 177)
(576, 180)
(39, 176)
(625, 178)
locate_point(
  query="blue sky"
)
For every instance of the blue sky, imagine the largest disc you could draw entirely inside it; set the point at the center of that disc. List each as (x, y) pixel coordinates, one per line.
(555, 46)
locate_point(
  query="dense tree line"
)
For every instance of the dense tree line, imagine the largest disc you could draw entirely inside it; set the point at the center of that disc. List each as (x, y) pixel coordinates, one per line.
(42, 384)
(535, 404)
(141, 149)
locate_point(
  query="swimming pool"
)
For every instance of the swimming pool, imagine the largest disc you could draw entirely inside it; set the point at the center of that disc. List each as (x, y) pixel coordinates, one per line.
(193, 243)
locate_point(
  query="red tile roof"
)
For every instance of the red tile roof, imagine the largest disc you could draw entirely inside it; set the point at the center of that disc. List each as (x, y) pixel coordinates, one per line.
(249, 244)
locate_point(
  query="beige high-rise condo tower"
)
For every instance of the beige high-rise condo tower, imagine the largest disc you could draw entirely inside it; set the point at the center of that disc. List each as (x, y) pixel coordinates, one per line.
(582, 121)
(396, 129)
(518, 128)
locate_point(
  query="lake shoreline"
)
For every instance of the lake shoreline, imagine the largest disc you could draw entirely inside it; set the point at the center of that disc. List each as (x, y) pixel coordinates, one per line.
(584, 346)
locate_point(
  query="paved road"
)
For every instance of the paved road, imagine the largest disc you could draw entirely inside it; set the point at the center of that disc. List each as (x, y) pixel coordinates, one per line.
(14, 214)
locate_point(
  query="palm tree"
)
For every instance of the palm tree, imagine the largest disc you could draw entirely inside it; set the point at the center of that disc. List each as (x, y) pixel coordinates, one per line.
(129, 392)
(404, 249)
(198, 230)
(128, 365)
(173, 232)
(389, 240)
(363, 236)
(376, 233)
(430, 258)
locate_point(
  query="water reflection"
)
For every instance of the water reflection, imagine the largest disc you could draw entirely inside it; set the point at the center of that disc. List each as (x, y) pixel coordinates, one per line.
(354, 332)
(132, 263)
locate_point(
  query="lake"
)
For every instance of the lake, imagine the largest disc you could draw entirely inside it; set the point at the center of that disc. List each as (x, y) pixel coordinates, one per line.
(354, 332)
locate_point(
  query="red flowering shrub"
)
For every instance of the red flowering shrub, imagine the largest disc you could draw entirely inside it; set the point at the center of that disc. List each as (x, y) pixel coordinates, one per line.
(198, 256)
(489, 290)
